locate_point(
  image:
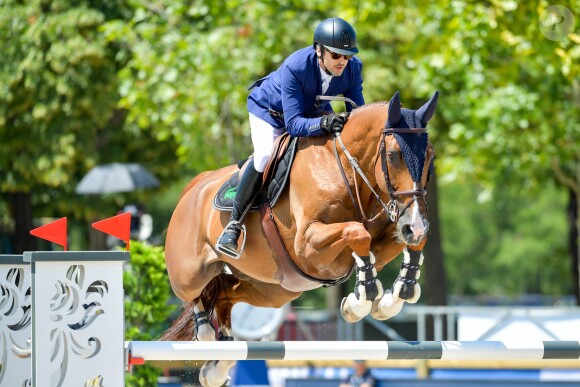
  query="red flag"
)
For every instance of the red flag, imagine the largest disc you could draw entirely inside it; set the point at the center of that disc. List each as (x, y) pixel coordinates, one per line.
(54, 232)
(118, 226)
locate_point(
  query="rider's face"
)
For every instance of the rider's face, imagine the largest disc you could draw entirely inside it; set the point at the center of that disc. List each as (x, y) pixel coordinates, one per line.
(335, 66)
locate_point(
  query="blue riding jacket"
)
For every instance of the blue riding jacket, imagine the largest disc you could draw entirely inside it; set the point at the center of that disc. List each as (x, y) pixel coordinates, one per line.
(290, 92)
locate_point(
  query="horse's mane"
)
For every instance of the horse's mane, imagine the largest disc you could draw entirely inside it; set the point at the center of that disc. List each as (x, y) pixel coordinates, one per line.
(373, 104)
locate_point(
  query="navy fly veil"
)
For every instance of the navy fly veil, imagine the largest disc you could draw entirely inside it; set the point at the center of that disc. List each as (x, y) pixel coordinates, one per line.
(413, 145)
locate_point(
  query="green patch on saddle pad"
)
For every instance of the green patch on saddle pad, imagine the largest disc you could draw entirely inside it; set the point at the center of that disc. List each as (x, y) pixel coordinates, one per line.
(225, 196)
(230, 193)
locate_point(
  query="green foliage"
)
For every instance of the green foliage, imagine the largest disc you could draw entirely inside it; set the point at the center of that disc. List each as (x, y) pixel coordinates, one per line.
(59, 107)
(147, 307)
(509, 95)
(165, 83)
(59, 84)
(509, 246)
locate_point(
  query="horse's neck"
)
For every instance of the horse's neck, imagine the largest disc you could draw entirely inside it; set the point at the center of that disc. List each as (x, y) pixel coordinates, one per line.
(360, 138)
(361, 143)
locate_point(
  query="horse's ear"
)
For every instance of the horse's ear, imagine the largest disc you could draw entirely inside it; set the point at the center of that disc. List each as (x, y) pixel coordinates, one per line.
(426, 111)
(394, 110)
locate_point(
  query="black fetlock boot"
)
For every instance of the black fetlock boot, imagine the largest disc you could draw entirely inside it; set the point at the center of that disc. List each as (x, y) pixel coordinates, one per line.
(248, 187)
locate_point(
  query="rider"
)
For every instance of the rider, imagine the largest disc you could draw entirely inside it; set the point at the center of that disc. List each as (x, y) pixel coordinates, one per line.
(285, 100)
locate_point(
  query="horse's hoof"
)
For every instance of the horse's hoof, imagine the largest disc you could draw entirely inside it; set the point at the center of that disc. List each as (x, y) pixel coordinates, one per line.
(215, 373)
(209, 375)
(386, 307)
(353, 309)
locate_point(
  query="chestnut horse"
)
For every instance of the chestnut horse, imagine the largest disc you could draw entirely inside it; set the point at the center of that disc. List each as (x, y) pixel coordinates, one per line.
(357, 199)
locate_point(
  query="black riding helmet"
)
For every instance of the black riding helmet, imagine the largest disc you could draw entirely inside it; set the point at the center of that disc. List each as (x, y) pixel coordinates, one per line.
(336, 35)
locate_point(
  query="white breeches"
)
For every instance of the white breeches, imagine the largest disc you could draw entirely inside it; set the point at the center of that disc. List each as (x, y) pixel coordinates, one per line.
(263, 137)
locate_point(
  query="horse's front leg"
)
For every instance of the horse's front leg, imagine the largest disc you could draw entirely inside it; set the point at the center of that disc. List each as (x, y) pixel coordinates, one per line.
(368, 289)
(323, 243)
(405, 287)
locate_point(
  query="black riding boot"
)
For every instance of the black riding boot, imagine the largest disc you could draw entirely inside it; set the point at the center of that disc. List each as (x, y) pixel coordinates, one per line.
(250, 183)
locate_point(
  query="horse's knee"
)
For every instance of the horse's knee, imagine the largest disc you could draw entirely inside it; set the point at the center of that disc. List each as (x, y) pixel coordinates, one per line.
(357, 237)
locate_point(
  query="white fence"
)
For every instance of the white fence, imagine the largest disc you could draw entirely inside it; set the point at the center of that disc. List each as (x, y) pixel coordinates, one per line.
(69, 305)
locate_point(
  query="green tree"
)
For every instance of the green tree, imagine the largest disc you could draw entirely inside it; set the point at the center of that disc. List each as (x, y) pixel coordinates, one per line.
(194, 62)
(509, 96)
(512, 95)
(59, 111)
(147, 306)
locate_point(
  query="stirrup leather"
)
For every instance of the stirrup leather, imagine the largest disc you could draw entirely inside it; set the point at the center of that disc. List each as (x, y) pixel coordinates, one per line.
(232, 253)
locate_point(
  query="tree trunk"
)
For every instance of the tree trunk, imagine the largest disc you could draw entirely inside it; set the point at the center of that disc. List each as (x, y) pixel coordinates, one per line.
(573, 242)
(21, 212)
(435, 292)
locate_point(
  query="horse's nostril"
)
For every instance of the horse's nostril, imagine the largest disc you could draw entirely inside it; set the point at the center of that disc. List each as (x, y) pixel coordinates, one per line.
(406, 230)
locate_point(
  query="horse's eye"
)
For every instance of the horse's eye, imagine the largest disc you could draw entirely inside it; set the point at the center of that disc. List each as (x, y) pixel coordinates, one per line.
(393, 155)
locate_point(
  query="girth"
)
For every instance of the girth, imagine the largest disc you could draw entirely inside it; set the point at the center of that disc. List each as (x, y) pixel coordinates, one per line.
(293, 279)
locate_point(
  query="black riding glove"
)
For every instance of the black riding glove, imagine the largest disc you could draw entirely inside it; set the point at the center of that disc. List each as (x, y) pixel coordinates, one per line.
(333, 123)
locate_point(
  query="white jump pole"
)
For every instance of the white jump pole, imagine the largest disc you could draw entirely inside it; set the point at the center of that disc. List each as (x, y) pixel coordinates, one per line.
(140, 351)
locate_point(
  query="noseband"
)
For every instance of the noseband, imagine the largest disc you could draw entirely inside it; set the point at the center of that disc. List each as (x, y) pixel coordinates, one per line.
(394, 208)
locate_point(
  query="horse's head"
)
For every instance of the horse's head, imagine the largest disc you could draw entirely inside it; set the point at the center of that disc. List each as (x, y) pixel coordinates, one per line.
(404, 166)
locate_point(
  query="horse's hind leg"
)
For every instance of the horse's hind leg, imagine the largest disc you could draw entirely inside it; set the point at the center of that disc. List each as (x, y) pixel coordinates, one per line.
(232, 291)
(214, 372)
(203, 328)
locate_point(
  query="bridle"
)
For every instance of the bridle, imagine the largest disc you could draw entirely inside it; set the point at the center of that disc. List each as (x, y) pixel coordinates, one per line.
(394, 208)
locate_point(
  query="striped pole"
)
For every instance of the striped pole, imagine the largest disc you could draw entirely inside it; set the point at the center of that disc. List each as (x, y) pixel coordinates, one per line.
(140, 351)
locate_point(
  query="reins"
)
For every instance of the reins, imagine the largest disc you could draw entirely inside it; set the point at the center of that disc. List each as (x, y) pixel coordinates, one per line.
(356, 169)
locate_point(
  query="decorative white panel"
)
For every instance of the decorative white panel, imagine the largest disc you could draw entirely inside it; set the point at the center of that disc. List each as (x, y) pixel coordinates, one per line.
(15, 317)
(78, 322)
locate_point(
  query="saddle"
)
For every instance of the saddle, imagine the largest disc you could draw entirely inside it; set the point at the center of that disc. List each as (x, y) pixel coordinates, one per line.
(275, 177)
(275, 180)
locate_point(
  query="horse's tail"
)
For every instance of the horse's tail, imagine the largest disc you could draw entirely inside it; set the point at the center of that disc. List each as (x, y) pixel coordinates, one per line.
(182, 329)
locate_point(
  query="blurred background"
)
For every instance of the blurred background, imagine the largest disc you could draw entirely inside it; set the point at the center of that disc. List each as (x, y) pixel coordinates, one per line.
(163, 84)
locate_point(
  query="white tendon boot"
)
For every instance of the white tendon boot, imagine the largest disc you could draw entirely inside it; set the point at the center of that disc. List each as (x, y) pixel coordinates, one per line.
(367, 289)
(204, 330)
(405, 287)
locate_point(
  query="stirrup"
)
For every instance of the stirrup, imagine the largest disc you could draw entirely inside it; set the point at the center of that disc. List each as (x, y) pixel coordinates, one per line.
(232, 253)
